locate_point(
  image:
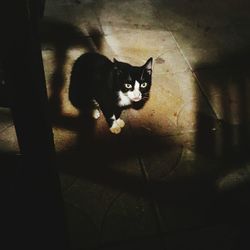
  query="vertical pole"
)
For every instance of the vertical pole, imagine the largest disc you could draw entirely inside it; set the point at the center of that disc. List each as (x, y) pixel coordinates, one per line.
(39, 214)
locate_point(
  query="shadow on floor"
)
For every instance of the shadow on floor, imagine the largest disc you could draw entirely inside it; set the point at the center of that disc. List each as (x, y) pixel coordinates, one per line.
(60, 37)
(227, 147)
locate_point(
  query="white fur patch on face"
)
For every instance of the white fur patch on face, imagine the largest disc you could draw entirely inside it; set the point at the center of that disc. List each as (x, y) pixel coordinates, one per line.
(126, 99)
(123, 99)
(135, 95)
(137, 86)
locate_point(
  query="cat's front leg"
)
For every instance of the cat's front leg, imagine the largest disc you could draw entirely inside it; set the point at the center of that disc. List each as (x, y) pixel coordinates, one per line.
(95, 109)
(116, 124)
(120, 122)
(112, 117)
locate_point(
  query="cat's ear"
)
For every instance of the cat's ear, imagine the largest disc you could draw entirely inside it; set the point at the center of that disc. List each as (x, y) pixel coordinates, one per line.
(148, 66)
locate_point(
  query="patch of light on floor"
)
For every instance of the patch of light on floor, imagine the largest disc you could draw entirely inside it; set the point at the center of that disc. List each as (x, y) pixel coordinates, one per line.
(234, 179)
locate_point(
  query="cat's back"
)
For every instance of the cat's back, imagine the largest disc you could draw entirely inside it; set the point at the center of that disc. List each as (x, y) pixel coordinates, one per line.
(90, 75)
(91, 62)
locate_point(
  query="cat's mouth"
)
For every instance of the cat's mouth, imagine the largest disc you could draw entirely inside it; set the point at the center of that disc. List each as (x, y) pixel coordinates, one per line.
(136, 99)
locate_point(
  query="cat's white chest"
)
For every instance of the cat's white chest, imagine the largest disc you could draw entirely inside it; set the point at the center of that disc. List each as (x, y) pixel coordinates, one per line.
(123, 100)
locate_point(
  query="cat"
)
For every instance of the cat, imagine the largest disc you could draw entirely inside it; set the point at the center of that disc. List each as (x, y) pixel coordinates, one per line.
(97, 83)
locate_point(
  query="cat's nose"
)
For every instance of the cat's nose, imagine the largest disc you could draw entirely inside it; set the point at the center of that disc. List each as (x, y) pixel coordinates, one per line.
(137, 97)
(137, 94)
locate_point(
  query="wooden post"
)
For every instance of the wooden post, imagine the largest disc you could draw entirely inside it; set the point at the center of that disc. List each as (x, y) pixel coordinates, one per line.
(38, 215)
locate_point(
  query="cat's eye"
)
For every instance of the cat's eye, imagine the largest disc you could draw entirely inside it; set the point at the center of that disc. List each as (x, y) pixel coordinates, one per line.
(144, 85)
(128, 86)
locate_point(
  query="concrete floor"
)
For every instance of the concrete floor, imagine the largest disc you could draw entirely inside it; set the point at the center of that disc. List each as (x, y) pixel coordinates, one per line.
(177, 176)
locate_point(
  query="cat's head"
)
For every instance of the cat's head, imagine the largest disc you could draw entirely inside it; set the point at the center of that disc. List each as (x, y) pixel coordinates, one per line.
(133, 83)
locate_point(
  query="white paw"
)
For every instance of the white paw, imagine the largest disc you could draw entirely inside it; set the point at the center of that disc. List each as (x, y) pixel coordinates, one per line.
(120, 123)
(96, 114)
(115, 129)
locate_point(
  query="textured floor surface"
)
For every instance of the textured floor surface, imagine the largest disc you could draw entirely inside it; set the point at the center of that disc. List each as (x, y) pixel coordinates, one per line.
(177, 176)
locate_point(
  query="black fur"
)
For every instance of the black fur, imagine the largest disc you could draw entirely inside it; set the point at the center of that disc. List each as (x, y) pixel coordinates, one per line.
(95, 77)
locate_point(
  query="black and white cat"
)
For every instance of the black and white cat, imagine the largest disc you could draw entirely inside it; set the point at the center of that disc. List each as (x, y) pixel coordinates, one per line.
(99, 84)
